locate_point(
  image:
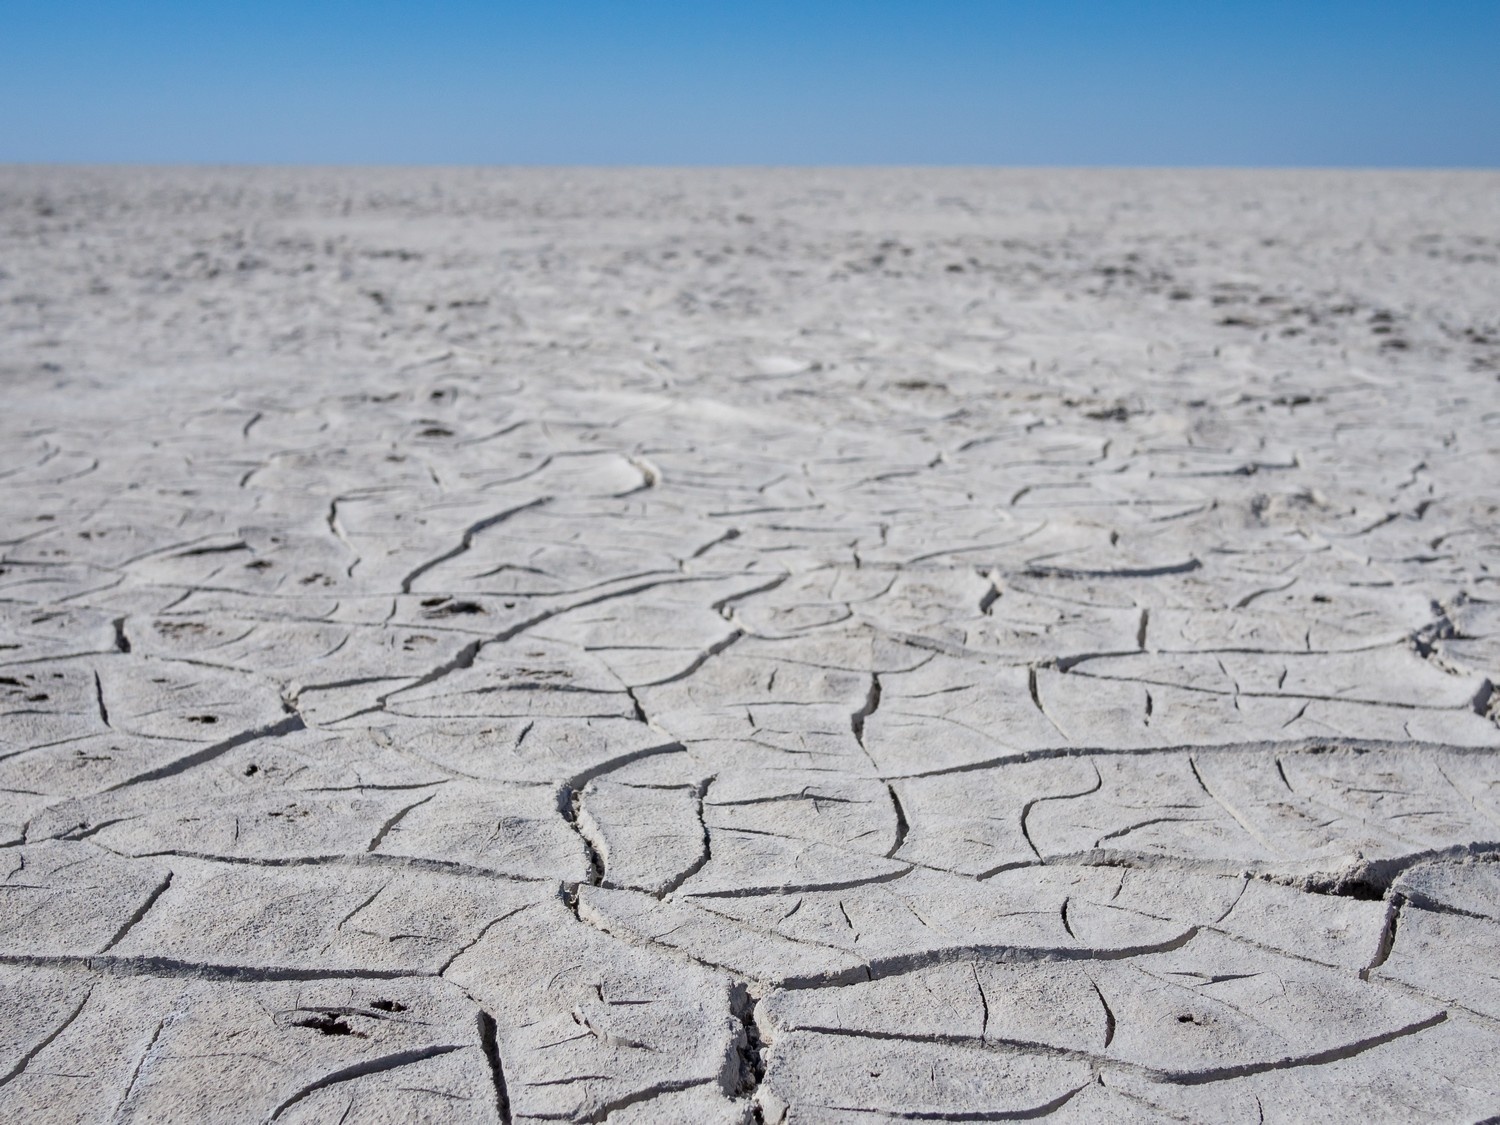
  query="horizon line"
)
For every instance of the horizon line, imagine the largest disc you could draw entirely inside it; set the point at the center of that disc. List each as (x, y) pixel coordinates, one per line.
(737, 166)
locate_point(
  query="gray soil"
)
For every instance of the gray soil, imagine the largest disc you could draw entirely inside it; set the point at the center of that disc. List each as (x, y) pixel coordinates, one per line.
(730, 646)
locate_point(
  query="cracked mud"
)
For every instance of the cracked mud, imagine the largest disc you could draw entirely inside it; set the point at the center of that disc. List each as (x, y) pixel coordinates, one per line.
(749, 647)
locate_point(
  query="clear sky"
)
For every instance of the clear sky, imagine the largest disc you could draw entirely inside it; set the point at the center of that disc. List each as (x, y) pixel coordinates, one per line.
(1193, 82)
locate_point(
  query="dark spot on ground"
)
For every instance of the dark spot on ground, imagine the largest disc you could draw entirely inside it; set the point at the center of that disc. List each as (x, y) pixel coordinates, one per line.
(454, 609)
(329, 1024)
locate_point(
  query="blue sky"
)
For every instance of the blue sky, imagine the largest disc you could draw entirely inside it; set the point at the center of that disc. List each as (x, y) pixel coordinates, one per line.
(1076, 82)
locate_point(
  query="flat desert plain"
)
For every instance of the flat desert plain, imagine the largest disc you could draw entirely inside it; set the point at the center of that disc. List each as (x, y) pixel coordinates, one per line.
(770, 645)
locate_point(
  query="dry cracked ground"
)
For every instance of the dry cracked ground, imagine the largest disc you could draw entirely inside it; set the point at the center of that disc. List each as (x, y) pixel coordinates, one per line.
(715, 647)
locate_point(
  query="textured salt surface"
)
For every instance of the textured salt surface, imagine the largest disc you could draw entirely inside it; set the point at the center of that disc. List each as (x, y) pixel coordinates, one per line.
(726, 646)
